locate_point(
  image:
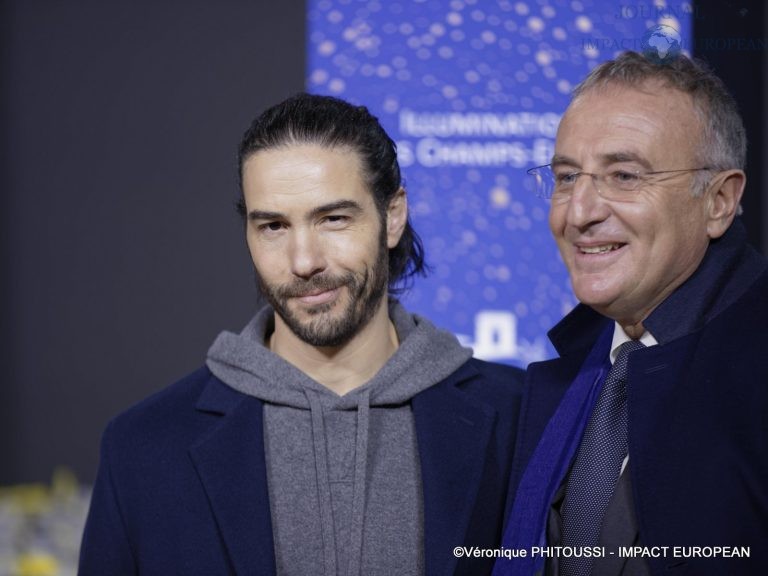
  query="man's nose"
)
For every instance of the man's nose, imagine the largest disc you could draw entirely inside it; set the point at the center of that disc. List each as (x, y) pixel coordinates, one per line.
(586, 206)
(307, 254)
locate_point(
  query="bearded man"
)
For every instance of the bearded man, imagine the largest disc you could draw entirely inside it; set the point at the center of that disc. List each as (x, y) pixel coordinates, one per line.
(337, 433)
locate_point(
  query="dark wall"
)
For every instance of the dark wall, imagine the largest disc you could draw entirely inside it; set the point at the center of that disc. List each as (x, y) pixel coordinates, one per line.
(121, 251)
(732, 37)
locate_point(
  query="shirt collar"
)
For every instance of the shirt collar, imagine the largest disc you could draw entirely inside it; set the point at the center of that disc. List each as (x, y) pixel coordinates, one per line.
(620, 337)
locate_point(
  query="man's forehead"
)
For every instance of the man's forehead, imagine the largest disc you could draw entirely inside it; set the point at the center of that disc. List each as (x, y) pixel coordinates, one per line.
(616, 122)
(302, 178)
(309, 163)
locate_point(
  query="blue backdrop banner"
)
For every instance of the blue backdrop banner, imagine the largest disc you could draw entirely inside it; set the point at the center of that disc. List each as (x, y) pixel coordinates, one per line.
(472, 92)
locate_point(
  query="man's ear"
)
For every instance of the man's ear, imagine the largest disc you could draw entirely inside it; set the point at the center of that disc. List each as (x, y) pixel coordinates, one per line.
(397, 217)
(724, 201)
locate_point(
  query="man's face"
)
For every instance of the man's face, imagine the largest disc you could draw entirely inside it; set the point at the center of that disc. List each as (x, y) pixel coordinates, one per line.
(626, 257)
(316, 240)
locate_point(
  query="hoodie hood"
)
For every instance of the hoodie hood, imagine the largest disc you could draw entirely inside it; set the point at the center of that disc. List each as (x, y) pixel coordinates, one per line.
(425, 356)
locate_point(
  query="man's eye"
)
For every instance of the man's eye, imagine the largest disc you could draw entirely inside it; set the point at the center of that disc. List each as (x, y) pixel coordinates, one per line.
(624, 177)
(271, 226)
(623, 180)
(566, 178)
(336, 219)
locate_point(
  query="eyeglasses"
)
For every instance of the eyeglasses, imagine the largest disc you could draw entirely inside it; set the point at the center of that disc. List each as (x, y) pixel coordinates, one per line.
(558, 183)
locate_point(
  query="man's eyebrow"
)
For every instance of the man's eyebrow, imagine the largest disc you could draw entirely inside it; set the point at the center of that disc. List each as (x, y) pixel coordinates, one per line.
(314, 213)
(616, 157)
(559, 159)
(333, 206)
(264, 215)
(605, 159)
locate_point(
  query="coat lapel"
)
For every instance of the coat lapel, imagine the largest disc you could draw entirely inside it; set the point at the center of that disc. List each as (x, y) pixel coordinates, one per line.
(231, 466)
(545, 384)
(453, 432)
(657, 398)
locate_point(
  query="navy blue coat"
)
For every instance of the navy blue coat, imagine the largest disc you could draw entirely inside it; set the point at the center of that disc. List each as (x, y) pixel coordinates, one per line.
(698, 432)
(182, 486)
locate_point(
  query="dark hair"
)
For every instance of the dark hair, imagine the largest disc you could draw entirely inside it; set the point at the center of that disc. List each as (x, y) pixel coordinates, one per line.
(723, 140)
(328, 121)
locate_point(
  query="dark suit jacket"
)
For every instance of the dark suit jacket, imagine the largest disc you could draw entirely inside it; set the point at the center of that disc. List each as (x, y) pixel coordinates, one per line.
(182, 483)
(698, 432)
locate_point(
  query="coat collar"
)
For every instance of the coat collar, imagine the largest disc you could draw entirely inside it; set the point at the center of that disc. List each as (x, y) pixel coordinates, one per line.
(231, 465)
(729, 267)
(577, 331)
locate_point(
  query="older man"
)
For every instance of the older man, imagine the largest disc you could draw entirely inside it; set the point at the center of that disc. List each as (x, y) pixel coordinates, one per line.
(649, 430)
(337, 434)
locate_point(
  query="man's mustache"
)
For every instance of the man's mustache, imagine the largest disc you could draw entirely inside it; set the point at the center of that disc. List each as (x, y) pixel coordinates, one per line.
(314, 285)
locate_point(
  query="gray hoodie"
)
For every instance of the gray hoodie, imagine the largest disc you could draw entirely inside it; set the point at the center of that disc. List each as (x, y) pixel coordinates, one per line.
(343, 471)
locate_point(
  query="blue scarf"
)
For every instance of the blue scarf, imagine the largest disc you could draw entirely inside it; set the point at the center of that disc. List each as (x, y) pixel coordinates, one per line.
(550, 462)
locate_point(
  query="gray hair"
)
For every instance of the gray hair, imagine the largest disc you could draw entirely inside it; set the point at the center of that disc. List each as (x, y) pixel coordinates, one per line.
(723, 144)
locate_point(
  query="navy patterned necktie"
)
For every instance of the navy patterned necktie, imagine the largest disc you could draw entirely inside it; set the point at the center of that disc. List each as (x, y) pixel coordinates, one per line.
(597, 466)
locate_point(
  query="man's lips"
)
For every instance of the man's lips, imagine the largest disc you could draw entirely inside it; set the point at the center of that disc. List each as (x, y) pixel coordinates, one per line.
(596, 256)
(598, 247)
(315, 297)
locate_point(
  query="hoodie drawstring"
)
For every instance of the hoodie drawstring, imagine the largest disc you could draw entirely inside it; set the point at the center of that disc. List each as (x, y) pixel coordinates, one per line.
(358, 497)
(323, 484)
(324, 487)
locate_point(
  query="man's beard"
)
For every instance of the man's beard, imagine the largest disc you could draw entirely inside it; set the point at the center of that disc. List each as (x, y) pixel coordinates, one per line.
(364, 293)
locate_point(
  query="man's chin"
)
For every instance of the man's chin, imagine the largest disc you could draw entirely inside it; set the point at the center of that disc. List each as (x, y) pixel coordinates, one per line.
(600, 299)
(324, 333)
(302, 317)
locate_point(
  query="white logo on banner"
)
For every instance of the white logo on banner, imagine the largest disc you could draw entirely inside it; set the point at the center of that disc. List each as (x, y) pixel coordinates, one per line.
(496, 339)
